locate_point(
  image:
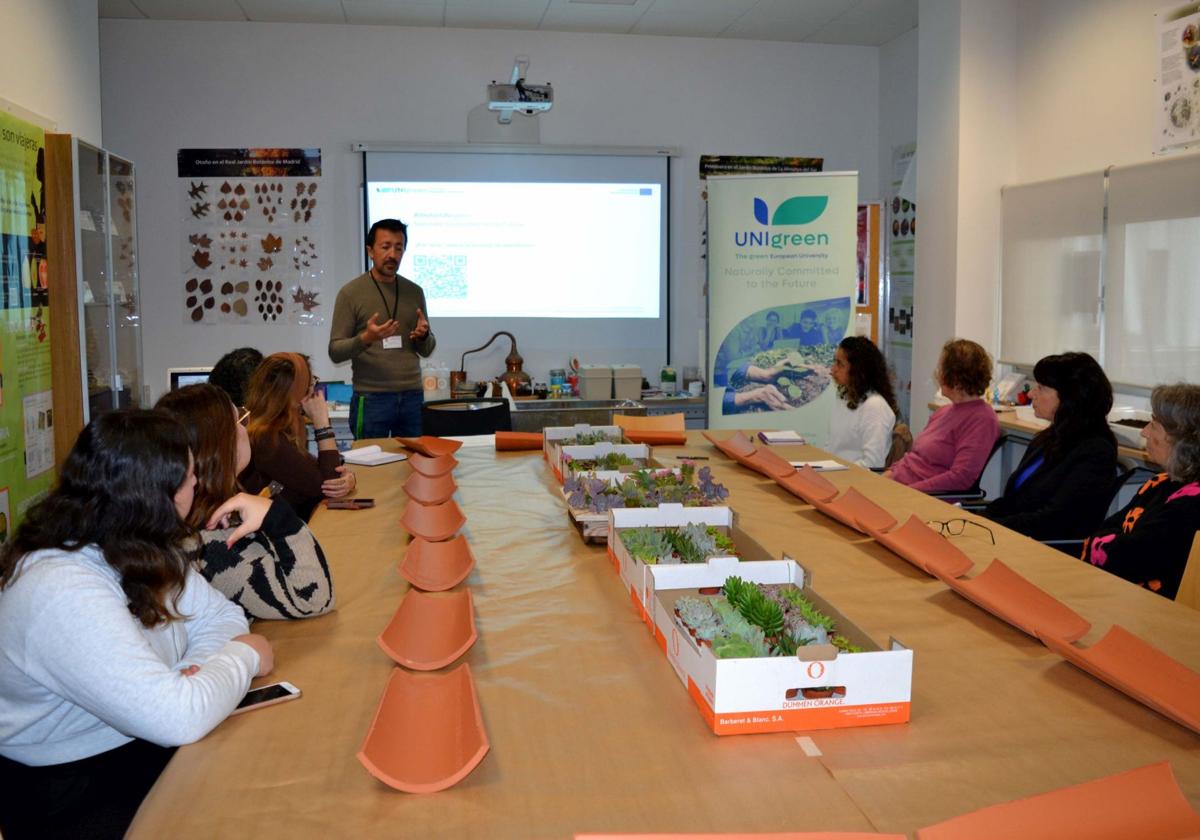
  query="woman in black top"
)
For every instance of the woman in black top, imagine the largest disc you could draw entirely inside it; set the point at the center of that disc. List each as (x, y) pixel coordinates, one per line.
(1062, 487)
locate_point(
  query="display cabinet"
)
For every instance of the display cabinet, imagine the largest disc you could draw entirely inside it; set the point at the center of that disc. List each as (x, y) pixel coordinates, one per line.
(95, 305)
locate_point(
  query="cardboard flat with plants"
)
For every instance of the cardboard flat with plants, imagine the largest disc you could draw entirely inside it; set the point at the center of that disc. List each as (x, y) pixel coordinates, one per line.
(760, 651)
(591, 495)
(603, 456)
(554, 438)
(668, 535)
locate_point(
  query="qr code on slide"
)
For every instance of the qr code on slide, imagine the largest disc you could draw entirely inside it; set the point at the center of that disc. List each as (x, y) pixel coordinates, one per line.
(442, 277)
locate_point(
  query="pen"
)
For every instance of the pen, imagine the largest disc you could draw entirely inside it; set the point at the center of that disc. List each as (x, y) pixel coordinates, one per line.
(691, 457)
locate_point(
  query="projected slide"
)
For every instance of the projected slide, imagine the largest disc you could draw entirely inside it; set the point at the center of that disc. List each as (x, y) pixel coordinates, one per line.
(530, 250)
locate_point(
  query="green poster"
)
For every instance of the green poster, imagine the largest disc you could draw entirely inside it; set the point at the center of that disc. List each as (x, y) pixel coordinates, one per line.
(26, 416)
(782, 268)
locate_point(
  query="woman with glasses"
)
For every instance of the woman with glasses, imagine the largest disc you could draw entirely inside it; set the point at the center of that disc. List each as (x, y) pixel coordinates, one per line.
(864, 414)
(114, 650)
(266, 561)
(952, 450)
(1062, 487)
(280, 396)
(1148, 541)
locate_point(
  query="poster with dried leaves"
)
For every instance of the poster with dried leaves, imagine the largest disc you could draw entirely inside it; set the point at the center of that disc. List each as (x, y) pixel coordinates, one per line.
(253, 230)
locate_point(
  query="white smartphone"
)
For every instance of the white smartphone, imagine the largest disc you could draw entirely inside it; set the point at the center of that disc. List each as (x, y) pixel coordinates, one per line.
(267, 695)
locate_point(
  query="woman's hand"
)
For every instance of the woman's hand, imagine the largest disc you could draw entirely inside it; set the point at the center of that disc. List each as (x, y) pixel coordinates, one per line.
(344, 484)
(887, 473)
(251, 509)
(266, 656)
(316, 409)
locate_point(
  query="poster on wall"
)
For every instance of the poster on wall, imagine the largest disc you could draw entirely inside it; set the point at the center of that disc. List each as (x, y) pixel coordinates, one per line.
(26, 417)
(1177, 89)
(901, 230)
(781, 278)
(252, 250)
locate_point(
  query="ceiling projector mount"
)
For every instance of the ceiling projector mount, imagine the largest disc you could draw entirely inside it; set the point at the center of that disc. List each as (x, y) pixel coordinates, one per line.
(517, 96)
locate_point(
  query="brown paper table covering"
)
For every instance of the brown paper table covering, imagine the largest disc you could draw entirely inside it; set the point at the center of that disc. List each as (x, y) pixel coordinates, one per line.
(590, 729)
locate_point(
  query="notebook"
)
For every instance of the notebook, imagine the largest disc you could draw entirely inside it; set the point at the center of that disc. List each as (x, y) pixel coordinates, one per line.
(371, 456)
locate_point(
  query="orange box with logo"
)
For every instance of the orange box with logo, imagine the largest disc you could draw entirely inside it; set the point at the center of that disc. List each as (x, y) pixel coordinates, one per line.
(819, 688)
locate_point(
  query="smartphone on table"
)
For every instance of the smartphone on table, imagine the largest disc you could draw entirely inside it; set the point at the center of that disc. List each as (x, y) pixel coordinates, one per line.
(267, 695)
(350, 504)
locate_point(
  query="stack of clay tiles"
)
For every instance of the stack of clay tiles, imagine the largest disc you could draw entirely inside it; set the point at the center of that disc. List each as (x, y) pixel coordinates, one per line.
(428, 732)
(1121, 659)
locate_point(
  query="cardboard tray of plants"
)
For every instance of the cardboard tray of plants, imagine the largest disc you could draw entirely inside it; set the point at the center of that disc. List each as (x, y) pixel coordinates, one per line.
(760, 651)
(589, 496)
(671, 534)
(554, 438)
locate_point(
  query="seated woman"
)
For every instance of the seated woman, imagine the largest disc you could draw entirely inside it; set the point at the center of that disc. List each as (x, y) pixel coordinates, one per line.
(280, 389)
(113, 649)
(271, 564)
(861, 423)
(954, 447)
(1062, 486)
(1148, 542)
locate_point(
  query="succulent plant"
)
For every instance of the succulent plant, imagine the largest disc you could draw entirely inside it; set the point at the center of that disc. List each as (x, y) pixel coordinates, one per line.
(646, 544)
(845, 645)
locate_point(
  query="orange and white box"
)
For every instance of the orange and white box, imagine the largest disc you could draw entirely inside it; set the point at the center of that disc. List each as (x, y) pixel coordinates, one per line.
(820, 688)
(633, 571)
(634, 451)
(553, 436)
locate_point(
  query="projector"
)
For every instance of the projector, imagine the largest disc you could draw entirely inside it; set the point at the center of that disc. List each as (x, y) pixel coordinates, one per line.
(519, 96)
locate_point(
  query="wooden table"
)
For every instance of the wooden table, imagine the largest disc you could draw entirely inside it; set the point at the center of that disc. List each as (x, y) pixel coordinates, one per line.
(590, 729)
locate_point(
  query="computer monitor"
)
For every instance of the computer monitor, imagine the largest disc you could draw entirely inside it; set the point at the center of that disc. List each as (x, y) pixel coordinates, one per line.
(181, 376)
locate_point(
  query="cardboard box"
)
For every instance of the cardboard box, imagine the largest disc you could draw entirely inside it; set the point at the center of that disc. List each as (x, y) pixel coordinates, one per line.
(635, 574)
(553, 437)
(636, 451)
(820, 688)
(627, 382)
(595, 382)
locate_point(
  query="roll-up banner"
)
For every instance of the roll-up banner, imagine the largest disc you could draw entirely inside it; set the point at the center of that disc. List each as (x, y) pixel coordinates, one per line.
(781, 281)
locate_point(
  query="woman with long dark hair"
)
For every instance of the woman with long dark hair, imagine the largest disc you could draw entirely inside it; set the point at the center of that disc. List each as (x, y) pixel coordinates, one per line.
(1062, 486)
(113, 649)
(861, 423)
(271, 564)
(280, 396)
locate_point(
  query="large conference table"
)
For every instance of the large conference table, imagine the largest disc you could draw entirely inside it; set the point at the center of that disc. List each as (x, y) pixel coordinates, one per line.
(591, 730)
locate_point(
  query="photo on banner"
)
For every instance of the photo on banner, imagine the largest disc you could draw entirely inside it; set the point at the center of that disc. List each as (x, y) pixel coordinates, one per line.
(782, 271)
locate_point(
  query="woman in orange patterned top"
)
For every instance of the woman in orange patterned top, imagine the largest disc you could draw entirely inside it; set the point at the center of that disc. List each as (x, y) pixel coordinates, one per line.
(1148, 541)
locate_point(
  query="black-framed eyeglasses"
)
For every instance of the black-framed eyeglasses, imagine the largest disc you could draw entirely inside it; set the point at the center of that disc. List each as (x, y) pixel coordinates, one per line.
(956, 527)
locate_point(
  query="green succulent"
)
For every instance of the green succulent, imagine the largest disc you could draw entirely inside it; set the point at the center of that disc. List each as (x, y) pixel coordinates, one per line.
(646, 544)
(808, 610)
(845, 645)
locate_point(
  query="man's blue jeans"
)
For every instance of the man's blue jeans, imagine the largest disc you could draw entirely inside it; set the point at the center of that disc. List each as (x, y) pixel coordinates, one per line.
(386, 414)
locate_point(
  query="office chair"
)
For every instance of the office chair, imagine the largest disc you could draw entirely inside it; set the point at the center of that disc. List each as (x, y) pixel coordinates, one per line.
(465, 417)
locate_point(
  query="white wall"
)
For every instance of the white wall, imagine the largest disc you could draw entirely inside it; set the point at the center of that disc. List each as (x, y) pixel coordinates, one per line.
(168, 85)
(50, 63)
(897, 102)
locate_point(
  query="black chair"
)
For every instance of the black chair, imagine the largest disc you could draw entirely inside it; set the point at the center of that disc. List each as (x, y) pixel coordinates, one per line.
(1125, 471)
(465, 417)
(974, 492)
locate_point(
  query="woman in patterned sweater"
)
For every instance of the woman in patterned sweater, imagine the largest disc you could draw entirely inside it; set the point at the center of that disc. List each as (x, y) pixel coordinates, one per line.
(270, 563)
(1148, 542)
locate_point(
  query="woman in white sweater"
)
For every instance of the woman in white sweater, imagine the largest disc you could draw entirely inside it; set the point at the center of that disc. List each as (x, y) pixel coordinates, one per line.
(864, 414)
(113, 650)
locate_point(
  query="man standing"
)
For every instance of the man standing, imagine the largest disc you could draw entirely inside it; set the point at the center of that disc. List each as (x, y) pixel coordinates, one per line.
(383, 354)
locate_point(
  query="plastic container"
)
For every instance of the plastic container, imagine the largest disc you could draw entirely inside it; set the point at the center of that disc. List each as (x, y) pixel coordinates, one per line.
(667, 380)
(627, 382)
(595, 382)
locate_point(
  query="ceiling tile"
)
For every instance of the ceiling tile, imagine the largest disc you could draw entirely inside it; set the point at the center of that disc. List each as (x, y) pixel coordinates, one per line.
(294, 11)
(695, 25)
(191, 9)
(496, 14)
(389, 12)
(786, 20)
(732, 8)
(119, 9)
(578, 17)
(869, 23)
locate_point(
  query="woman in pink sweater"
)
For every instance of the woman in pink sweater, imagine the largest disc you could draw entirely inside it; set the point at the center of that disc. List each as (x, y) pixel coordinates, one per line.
(954, 447)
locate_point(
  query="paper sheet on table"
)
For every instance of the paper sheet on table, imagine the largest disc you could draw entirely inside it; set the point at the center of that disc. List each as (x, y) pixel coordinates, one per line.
(371, 456)
(820, 466)
(473, 440)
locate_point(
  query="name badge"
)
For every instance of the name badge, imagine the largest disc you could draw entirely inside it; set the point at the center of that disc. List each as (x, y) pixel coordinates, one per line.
(393, 342)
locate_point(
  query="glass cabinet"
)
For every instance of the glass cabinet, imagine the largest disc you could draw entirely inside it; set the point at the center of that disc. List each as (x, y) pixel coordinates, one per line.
(95, 302)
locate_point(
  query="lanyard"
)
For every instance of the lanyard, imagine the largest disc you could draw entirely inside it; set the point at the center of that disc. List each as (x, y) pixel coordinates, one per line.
(395, 302)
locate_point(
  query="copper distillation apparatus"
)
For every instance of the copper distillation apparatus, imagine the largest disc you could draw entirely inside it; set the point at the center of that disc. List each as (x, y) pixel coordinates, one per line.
(518, 381)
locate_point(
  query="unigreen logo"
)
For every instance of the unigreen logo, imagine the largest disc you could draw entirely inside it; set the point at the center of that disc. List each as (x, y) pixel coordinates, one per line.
(797, 210)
